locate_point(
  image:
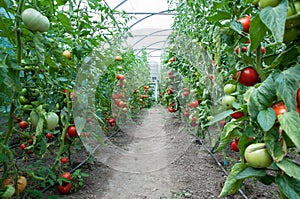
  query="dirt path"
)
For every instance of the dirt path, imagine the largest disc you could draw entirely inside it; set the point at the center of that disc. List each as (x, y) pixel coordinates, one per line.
(156, 158)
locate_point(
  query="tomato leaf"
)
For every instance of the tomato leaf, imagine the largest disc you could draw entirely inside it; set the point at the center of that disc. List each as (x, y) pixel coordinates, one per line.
(274, 18)
(227, 134)
(219, 117)
(238, 27)
(290, 168)
(232, 184)
(266, 119)
(39, 46)
(287, 85)
(65, 21)
(289, 186)
(220, 15)
(289, 122)
(262, 97)
(251, 172)
(274, 145)
(257, 31)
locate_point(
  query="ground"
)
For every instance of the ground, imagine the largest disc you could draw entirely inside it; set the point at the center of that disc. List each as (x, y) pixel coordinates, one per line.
(156, 158)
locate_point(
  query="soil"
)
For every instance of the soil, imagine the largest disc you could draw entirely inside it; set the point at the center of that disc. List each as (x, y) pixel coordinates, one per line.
(156, 158)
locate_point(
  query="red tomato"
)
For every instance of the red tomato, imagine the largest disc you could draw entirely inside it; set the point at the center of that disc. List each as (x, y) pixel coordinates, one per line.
(263, 50)
(194, 104)
(66, 175)
(49, 135)
(185, 93)
(298, 97)
(237, 49)
(64, 189)
(23, 125)
(64, 160)
(245, 21)
(248, 77)
(171, 110)
(279, 108)
(72, 131)
(22, 146)
(234, 146)
(237, 114)
(120, 77)
(236, 76)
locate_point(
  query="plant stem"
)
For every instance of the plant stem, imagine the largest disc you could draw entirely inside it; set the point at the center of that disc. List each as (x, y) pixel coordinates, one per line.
(259, 63)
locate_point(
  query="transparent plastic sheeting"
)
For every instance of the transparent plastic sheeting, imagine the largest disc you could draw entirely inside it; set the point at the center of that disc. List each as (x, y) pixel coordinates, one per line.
(152, 143)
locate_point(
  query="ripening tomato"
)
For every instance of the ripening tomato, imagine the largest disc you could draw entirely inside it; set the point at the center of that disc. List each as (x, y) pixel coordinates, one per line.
(72, 131)
(279, 108)
(67, 54)
(118, 58)
(172, 59)
(23, 125)
(248, 77)
(64, 189)
(245, 21)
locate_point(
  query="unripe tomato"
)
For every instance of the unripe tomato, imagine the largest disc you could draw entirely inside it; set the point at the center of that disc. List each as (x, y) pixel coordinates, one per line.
(34, 118)
(248, 77)
(227, 101)
(52, 120)
(265, 3)
(245, 21)
(229, 88)
(35, 21)
(23, 125)
(257, 156)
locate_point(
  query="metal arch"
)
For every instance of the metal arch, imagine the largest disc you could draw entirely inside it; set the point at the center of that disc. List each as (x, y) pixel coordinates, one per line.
(120, 4)
(150, 45)
(148, 17)
(144, 37)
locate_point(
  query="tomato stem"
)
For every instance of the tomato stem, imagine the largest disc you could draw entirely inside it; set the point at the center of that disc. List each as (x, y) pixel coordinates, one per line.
(259, 63)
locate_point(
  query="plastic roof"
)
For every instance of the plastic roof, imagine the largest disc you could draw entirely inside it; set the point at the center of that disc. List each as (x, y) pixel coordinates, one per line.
(150, 25)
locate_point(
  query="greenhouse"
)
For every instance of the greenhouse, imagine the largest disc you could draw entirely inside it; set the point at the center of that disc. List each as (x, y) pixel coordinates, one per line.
(150, 99)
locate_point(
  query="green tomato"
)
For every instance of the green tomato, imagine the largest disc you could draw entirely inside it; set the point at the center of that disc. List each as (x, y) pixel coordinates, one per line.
(257, 156)
(52, 120)
(265, 3)
(24, 92)
(35, 21)
(34, 118)
(227, 101)
(229, 88)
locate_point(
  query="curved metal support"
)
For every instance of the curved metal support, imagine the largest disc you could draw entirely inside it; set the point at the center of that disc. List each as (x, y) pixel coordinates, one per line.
(163, 30)
(120, 4)
(148, 17)
(150, 45)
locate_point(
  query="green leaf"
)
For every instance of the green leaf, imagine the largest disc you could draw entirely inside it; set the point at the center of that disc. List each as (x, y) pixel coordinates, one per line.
(262, 97)
(286, 86)
(65, 21)
(267, 180)
(289, 122)
(289, 186)
(39, 46)
(257, 31)
(238, 27)
(274, 18)
(227, 134)
(274, 145)
(220, 15)
(232, 184)
(219, 117)
(266, 119)
(251, 172)
(290, 168)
